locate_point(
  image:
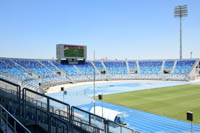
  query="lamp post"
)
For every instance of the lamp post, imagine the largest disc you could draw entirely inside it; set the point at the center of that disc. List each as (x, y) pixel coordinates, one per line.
(94, 85)
(181, 11)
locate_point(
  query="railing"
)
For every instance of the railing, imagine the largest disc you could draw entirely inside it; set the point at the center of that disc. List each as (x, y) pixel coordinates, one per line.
(17, 91)
(116, 128)
(47, 110)
(49, 122)
(56, 116)
(89, 121)
(10, 122)
(93, 123)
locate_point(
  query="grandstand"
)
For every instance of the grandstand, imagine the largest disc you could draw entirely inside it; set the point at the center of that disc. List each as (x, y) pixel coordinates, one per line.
(37, 74)
(23, 82)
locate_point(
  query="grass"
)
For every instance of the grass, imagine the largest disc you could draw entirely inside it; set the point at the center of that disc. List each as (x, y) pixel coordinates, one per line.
(172, 102)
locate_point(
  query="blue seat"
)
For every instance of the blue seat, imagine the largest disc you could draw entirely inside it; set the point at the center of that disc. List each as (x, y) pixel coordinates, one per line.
(35, 67)
(132, 65)
(150, 67)
(99, 65)
(169, 65)
(49, 65)
(116, 67)
(70, 70)
(184, 66)
(6, 69)
(87, 69)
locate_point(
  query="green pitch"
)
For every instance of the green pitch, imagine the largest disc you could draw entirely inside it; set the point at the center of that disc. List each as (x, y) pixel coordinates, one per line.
(172, 102)
(74, 52)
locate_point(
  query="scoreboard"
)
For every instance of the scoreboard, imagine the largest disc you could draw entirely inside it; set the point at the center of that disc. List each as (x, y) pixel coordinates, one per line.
(69, 52)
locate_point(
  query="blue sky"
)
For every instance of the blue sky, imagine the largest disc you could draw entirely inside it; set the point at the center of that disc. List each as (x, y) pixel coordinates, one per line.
(132, 29)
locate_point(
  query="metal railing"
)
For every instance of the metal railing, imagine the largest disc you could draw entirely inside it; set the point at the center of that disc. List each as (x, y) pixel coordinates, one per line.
(90, 122)
(44, 111)
(94, 122)
(10, 122)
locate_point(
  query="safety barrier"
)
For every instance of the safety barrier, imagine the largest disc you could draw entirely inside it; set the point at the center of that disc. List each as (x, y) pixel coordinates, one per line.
(54, 115)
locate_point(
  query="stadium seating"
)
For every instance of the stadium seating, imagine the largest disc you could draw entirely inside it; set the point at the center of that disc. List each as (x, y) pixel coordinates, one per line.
(99, 65)
(21, 69)
(44, 74)
(169, 65)
(35, 67)
(49, 65)
(150, 67)
(116, 67)
(183, 66)
(49, 72)
(10, 71)
(86, 69)
(100, 70)
(132, 65)
(70, 71)
(13, 64)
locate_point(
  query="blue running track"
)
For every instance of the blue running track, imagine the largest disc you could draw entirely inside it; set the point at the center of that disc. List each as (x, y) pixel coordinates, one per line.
(138, 120)
(147, 122)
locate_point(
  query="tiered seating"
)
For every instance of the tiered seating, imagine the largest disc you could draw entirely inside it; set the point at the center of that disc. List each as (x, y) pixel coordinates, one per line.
(18, 72)
(55, 79)
(132, 65)
(45, 71)
(150, 67)
(169, 65)
(6, 69)
(116, 67)
(49, 65)
(98, 65)
(86, 69)
(184, 66)
(70, 70)
(100, 70)
(21, 69)
(13, 64)
(35, 67)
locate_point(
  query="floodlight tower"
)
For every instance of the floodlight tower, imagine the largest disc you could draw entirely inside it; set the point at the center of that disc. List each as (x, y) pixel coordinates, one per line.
(181, 11)
(94, 85)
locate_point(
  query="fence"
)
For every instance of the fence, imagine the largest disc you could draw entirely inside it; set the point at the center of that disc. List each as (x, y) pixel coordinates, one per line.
(56, 116)
(10, 122)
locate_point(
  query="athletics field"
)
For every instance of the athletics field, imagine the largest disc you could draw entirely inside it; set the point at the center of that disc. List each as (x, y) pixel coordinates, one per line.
(172, 102)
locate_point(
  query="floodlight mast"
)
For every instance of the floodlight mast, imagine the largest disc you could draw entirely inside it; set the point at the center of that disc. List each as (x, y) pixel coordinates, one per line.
(181, 11)
(94, 85)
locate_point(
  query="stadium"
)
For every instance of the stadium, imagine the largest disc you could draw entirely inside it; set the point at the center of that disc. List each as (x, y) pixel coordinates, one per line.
(99, 67)
(33, 91)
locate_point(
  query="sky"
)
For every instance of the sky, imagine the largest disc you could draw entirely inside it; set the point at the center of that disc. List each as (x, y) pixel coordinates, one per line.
(114, 29)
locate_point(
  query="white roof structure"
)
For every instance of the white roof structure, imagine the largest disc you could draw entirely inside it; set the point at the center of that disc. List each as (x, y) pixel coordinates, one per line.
(107, 113)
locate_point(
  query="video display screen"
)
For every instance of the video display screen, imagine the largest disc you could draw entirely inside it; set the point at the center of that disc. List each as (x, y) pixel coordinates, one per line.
(74, 51)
